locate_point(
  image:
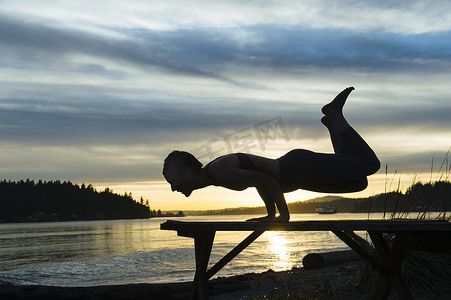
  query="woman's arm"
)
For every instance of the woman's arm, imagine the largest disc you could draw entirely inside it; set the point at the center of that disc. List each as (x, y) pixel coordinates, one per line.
(227, 175)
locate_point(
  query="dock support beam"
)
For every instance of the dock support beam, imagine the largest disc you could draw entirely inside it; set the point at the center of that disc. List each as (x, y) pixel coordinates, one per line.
(392, 260)
(388, 263)
(203, 243)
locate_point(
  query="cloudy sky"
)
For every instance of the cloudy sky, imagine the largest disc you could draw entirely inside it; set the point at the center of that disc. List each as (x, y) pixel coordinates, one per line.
(101, 91)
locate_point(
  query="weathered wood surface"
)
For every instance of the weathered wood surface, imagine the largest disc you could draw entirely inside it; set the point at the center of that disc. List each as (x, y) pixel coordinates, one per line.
(336, 225)
(387, 262)
(318, 260)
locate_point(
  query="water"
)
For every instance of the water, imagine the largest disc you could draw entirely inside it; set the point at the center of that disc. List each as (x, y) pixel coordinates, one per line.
(87, 253)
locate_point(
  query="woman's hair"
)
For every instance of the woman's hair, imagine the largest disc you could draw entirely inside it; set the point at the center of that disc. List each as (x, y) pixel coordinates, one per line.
(183, 159)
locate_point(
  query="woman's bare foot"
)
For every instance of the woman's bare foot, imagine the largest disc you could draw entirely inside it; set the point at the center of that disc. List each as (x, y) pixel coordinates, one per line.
(283, 219)
(263, 219)
(336, 105)
(269, 219)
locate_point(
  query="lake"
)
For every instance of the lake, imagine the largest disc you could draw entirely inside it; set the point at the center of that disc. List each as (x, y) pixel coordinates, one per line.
(86, 253)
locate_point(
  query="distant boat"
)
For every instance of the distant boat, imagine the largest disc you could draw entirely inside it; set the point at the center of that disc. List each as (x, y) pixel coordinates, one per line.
(326, 209)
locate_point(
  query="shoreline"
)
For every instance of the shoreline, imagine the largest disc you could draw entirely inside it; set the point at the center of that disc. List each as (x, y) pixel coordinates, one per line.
(427, 275)
(311, 283)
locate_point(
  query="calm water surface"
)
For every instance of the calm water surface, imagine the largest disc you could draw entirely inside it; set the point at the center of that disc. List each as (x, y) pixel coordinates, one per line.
(88, 253)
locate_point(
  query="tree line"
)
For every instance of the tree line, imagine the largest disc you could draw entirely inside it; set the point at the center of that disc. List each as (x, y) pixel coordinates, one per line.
(22, 201)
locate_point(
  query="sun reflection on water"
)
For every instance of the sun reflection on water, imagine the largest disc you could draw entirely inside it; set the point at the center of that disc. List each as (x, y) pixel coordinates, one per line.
(279, 253)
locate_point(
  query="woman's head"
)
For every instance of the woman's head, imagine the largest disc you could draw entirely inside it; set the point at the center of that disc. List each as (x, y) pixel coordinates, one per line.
(178, 168)
(181, 160)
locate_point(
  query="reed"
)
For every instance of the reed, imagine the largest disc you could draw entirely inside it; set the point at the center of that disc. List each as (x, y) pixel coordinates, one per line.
(427, 274)
(421, 203)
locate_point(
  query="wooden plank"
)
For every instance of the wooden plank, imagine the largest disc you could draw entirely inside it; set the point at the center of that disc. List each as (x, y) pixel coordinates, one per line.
(392, 260)
(336, 225)
(203, 233)
(315, 260)
(395, 258)
(360, 251)
(380, 245)
(203, 243)
(233, 253)
(383, 288)
(384, 281)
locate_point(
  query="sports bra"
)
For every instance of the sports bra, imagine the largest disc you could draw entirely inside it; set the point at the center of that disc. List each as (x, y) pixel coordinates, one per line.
(244, 162)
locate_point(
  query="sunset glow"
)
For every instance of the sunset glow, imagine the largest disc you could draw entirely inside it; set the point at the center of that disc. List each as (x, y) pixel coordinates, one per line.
(99, 93)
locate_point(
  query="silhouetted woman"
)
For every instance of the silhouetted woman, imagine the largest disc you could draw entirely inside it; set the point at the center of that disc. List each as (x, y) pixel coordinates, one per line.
(344, 171)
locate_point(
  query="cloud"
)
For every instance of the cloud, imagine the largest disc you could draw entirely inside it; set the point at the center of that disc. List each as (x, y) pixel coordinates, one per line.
(412, 17)
(117, 120)
(209, 52)
(41, 45)
(90, 90)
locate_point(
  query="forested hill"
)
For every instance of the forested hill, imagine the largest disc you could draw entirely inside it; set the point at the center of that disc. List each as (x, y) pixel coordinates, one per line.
(24, 201)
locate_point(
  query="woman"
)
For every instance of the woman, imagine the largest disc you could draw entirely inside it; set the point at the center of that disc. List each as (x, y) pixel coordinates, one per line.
(344, 171)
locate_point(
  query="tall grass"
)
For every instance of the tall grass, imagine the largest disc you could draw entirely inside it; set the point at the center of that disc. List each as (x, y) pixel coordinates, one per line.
(404, 203)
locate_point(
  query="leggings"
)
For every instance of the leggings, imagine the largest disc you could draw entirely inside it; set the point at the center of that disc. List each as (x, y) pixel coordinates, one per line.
(342, 172)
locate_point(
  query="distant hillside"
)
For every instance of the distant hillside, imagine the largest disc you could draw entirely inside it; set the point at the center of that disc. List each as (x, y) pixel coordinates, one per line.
(322, 199)
(25, 201)
(420, 197)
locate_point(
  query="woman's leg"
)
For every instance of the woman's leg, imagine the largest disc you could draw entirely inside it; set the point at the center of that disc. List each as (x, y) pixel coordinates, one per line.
(335, 138)
(342, 172)
(344, 138)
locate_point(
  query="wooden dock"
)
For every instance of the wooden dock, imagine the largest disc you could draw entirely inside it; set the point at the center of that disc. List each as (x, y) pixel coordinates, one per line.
(387, 262)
